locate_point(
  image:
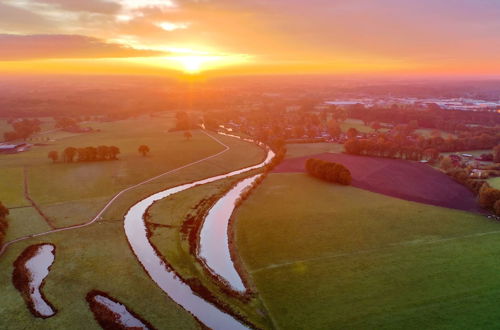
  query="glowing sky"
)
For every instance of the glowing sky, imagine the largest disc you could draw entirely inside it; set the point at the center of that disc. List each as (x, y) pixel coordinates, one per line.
(251, 36)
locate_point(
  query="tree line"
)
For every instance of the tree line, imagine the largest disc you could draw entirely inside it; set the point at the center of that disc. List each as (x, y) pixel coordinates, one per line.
(86, 154)
(4, 212)
(329, 171)
(489, 197)
(388, 149)
(431, 116)
(404, 147)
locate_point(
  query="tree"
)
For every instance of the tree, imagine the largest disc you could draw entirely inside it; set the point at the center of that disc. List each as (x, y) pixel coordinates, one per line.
(114, 151)
(54, 155)
(102, 152)
(334, 128)
(497, 207)
(488, 197)
(352, 133)
(69, 154)
(143, 149)
(188, 135)
(446, 163)
(496, 154)
(3, 211)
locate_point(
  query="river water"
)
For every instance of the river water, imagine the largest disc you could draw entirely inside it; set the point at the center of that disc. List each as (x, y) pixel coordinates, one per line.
(165, 278)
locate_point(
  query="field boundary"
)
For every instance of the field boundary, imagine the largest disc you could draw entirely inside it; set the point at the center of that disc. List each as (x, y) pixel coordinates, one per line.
(116, 196)
(33, 203)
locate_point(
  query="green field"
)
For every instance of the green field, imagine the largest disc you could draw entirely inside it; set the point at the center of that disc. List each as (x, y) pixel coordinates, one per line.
(495, 182)
(306, 149)
(98, 256)
(428, 133)
(324, 256)
(357, 124)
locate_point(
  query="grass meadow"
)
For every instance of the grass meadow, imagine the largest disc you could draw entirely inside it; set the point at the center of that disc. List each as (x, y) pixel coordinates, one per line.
(324, 256)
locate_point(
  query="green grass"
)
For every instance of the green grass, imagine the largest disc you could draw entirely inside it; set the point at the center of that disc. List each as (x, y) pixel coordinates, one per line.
(306, 149)
(98, 256)
(357, 124)
(73, 193)
(325, 256)
(95, 257)
(25, 221)
(428, 133)
(12, 187)
(495, 182)
(173, 211)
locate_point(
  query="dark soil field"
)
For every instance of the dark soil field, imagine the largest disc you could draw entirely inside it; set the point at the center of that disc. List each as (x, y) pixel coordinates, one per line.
(407, 180)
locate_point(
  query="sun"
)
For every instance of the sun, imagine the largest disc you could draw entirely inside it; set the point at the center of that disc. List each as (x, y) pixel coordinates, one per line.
(192, 64)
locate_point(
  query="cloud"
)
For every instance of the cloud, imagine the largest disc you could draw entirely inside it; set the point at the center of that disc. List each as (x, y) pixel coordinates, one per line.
(14, 18)
(41, 46)
(93, 6)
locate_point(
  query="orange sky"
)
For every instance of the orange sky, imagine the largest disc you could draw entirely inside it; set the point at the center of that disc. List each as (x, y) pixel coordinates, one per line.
(458, 37)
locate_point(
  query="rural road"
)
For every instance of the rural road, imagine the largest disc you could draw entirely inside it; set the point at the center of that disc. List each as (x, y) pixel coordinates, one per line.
(99, 215)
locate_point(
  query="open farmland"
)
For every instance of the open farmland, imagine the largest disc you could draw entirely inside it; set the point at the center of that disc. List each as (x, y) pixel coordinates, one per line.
(98, 256)
(495, 182)
(325, 256)
(397, 178)
(73, 193)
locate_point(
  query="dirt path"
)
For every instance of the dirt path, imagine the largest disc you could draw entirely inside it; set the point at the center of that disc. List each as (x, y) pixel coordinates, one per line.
(104, 209)
(32, 202)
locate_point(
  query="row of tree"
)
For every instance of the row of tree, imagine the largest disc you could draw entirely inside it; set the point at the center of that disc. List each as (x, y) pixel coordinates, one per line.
(489, 197)
(87, 154)
(329, 171)
(428, 117)
(378, 147)
(4, 212)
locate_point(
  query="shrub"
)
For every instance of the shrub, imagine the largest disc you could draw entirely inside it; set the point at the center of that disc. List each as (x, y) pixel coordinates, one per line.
(329, 171)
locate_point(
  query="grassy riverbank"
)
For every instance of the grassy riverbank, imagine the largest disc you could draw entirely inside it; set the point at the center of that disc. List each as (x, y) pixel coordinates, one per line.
(327, 256)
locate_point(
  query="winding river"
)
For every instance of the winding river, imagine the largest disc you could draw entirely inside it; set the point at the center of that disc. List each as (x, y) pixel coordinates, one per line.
(214, 240)
(162, 275)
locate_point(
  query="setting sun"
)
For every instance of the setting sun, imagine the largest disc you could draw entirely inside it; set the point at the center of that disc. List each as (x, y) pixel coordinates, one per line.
(192, 64)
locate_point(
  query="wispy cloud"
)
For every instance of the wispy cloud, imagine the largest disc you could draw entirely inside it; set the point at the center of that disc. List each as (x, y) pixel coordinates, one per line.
(22, 47)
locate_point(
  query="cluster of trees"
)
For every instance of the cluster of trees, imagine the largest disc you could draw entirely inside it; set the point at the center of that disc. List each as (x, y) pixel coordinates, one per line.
(23, 129)
(87, 154)
(425, 116)
(329, 171)
(378, 147)
(496, 154)
(489, 198)
(4, 212)
(461, 175)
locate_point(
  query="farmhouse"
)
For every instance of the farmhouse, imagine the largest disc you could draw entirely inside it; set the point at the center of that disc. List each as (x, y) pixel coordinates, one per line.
(13, 148)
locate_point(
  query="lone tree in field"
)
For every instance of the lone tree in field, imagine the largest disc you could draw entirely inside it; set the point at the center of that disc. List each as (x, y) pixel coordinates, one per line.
(188, 135)
(54, 155)
(144, 149)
